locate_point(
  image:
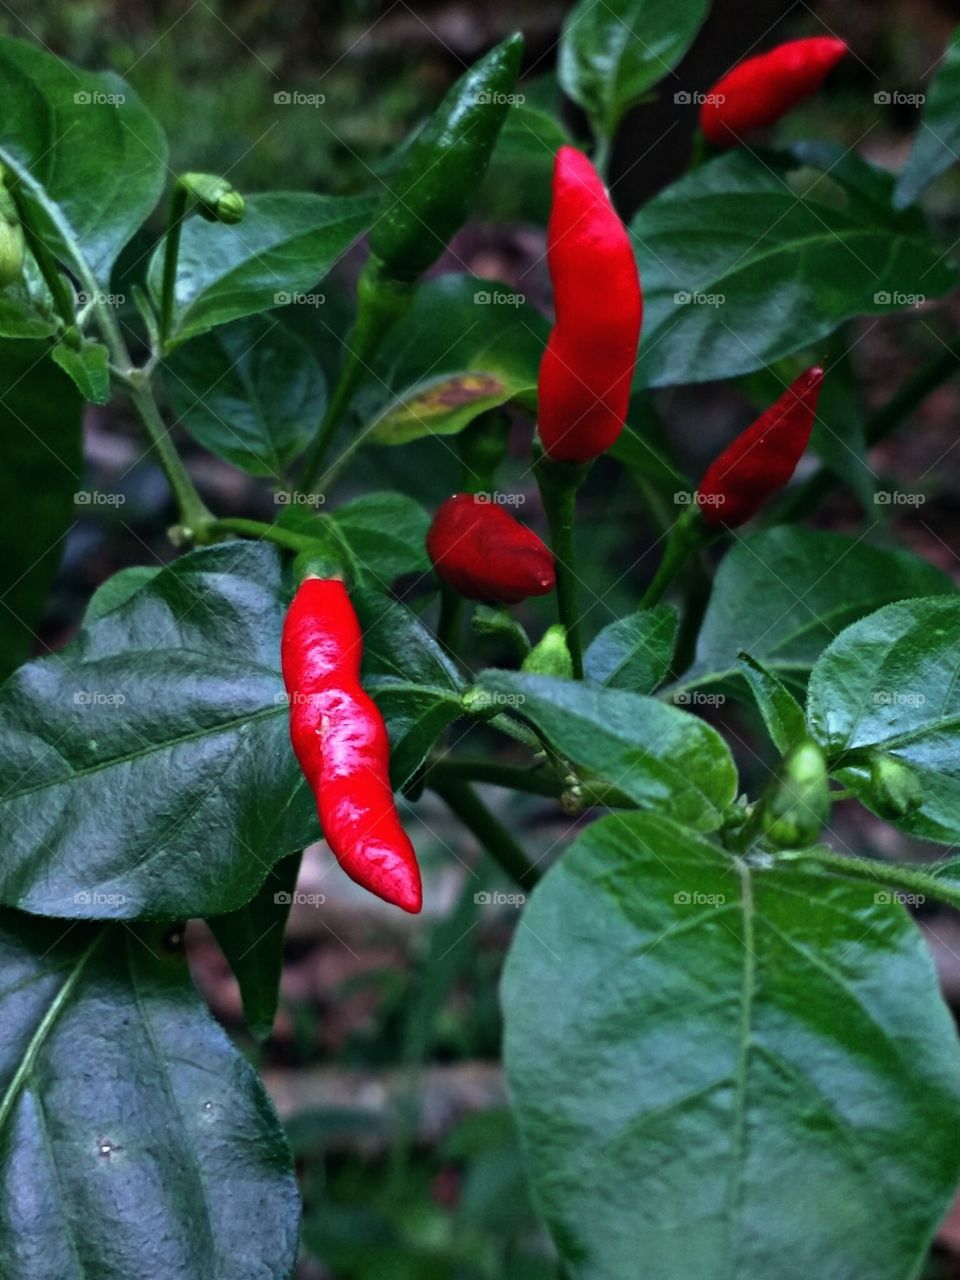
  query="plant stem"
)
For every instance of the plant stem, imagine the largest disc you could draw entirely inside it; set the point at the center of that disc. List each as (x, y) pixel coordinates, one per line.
(688, 535)
(464, 802)
(906, 879)
(193, 511)
(532, 781)
(559, 482)
(54, 278)
(448, 623)
(807, 496)
(381, 301)
(171, 255)
(211, 529)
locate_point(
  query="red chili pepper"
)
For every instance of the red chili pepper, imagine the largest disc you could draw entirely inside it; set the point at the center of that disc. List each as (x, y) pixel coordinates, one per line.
(762, 89)
(588, 365)
(341, 743)
(485, 554)
(763, 458)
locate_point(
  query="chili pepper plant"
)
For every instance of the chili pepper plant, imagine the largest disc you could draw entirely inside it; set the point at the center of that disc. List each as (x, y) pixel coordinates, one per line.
(725, 1047)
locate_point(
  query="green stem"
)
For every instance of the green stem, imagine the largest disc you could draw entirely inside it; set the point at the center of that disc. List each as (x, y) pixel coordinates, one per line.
(464, 802)
(448, 624)
(381, 301)
(171, 255)
(602, 156)
(808, 496)
(906, 879)
(559, 482)
(210, 530)
(687, 536)
(532, 781)
(193, 511)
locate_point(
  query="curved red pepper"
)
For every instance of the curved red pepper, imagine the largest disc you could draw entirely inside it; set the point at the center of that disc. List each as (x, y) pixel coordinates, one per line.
(762, 89)
(341, 743)
(483, 553)
(763, 458)
(587, 369)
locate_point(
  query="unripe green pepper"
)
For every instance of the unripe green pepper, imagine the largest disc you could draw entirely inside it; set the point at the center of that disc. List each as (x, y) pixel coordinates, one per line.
(798, 803)
(437, 180)
(217, 200)
(896, 791)
(12, 248)
(551, 656)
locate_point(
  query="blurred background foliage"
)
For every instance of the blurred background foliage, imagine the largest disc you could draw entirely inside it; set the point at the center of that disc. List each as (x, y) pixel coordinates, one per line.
(384, 1058)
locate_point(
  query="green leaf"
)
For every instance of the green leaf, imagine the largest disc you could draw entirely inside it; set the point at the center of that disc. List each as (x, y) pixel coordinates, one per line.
(41, 461)
(938, 138)
(466, 346)
(612, 53)
(91, 159)
(88, 367)
(146, 769)
(251, 392)
(722, 1069)
(889, 684)
(416, 716)
(285, 244)
(782, 713)
(377, 537)
(118, 589)
(635, 652)
(251, 938)
(498, 622)
(784, 594)
(649, 754)
(744, 263)
(137, 1142)
(25, 313)
(396, 644)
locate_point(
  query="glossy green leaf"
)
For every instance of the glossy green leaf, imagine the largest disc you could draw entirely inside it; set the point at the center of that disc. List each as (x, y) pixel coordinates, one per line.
(723, 1070)
(782, 713)
(135, 1141)
(611, 53)
(397, 645)
(647, 753)
(784, 594)
(118, 589)
(25, 312)
(146, 769)
(466, 346)
(251, 392)
(285, 244)
(937, 141)
(88, 367)
(745, 261)
(416, 716)
(91, 159)
(251, 938)
(889, 683)
(40, 467)
(634, 652)
(377, 538)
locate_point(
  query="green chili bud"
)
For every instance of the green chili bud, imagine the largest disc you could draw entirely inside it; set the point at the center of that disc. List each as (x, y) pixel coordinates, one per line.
(437, 179)
(217, 200)
(11, 240)
(896, 790)
(798, 803)
(551, 657)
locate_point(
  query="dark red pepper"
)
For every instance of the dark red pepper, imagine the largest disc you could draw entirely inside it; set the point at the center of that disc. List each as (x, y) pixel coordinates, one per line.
(485, 554)
(587, 369)
(763, 458)
(762, 89)
(341, 743)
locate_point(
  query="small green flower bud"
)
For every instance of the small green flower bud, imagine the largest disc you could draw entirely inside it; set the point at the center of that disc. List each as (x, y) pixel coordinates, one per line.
(896, 790)
(12, 248)
(217, 200)
(798, 803)
(551, 657)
